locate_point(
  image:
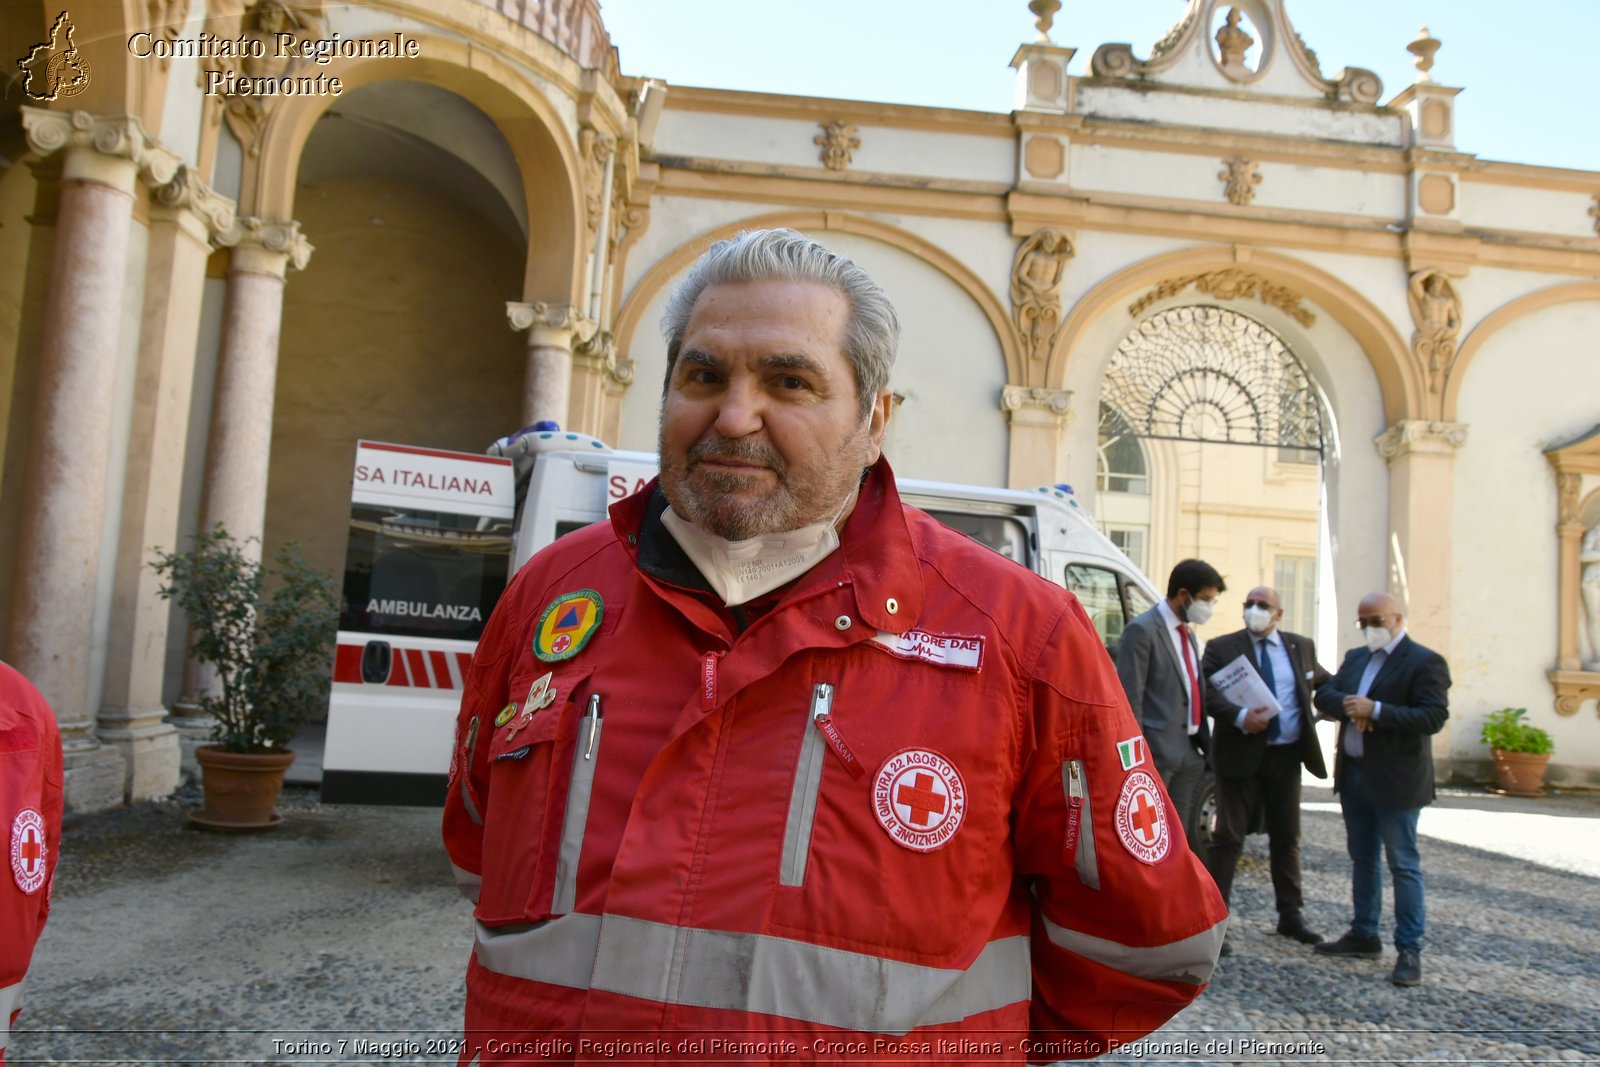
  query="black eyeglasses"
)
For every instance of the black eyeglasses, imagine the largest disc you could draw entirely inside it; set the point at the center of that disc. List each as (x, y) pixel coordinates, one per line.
(1258, 604)
(1365, 621)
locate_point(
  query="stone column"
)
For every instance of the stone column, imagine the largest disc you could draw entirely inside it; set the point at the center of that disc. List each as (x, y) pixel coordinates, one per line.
(1421, 458)
(547, 383)
(185, 215)
(1038, 418)
(64, 489)
(239, 454)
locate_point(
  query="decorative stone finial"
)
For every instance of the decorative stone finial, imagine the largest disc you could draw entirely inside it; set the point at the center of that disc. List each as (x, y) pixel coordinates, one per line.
(1423, 47)
(1044, 16)
(1233, 43)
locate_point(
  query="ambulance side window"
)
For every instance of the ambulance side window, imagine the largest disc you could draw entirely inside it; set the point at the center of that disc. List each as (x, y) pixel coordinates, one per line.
(1097, 589)
(412, 573)
(1004, 534)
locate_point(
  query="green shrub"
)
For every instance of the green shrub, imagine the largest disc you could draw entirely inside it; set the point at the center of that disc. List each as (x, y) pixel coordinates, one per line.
(271, 653)
(1505, 730)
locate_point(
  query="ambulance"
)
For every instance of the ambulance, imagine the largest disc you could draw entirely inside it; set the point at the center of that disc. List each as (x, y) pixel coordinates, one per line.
(431, 546)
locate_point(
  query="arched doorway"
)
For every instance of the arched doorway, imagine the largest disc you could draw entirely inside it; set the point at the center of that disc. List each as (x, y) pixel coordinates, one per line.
(1213, 434)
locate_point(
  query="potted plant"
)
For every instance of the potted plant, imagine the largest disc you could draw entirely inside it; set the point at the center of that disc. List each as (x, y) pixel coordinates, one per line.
(1521, 751)
(270, 654)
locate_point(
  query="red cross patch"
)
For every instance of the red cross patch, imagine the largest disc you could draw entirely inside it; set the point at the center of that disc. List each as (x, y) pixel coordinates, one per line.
(1142, 819)
(919, 799)
(28, 850)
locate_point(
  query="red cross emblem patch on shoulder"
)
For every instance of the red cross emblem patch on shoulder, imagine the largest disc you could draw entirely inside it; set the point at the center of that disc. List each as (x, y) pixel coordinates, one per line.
(28, 850)
(1142, 819)
(919, 799)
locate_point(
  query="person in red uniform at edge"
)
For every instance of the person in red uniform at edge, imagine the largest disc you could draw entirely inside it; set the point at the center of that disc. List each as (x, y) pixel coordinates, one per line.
(772, 767)
(30, 805)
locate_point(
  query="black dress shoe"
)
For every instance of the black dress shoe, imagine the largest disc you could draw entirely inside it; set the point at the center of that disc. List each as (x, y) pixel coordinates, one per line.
(1354, 946)
(1290, 924)
(1227, 949)
(1408, 968)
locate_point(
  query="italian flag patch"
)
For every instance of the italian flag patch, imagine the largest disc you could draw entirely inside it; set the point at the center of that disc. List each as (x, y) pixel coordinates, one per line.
(1131, 752)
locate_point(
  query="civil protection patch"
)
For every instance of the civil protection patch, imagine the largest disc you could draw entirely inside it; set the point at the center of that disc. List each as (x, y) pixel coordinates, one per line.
(919, 799)
(567, 624)
(1141, 819)
(28, 850)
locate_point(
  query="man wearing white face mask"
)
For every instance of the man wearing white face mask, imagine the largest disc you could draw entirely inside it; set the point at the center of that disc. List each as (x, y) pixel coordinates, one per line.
(1158, 661)
(1389, 698)
(1257, 753)
(798, 767)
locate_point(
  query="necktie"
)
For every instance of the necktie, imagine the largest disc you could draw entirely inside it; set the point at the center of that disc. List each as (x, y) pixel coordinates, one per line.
(1274, 727)
(1354, 743)
(1194, 681)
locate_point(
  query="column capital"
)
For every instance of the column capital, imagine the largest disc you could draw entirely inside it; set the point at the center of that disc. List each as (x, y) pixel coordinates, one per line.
(1420, 436)
(599, 353)
(188, 192)
(1023, 403)
(547, 323)
(263, 246)
(112, 150)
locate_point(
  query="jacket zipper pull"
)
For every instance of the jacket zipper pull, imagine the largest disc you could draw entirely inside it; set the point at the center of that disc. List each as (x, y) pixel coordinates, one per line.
(822, 718)
(594, 724)
(708, 680)
(1074, 805)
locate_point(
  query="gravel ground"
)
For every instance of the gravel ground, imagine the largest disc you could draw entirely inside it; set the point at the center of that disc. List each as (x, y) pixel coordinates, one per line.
(169, 945)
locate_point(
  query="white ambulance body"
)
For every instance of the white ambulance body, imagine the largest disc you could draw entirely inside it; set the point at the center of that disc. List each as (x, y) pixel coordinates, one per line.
(573, 480)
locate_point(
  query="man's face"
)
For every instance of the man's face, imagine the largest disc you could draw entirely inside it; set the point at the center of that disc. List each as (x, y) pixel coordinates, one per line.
(760, 423)
(1264, 598)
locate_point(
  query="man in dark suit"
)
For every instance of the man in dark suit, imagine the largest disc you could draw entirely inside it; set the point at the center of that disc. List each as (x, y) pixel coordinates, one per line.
(1389, 699)
(1257, 752)
(1158, 661)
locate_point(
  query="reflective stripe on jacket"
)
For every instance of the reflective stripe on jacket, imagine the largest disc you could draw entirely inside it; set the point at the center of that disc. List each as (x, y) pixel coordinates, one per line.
(709, 835)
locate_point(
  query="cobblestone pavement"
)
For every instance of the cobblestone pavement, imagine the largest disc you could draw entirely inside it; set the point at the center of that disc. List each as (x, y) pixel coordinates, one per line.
(173, 946)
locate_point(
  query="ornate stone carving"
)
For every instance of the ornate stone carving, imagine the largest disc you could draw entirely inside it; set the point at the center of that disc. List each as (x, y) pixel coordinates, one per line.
(1573, 688)
(1240, 178)
(1232, 44)
(599, 351)
(188, 190)
(1423, 46)
(1036, 275)
(1589, 591)
(837, 141)
(549, 316)
(1057, 403)
(1044, 15)
(1170, 39)
(117, 136)
(1436, 311)
(261, 21)
(1230, 283)
(1420, 435)
(261, 241)
(595, 148)
(1568, 485)
(166, 22)
(1594, 213)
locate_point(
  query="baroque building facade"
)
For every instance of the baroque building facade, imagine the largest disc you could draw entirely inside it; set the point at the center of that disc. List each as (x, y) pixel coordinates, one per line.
(1250, 309)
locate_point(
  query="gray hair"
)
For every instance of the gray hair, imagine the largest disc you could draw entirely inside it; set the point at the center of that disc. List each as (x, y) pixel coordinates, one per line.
(873, 332)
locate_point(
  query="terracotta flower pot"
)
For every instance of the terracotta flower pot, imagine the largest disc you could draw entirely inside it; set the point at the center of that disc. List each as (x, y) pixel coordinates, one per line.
(1520, 774)
(240, 789)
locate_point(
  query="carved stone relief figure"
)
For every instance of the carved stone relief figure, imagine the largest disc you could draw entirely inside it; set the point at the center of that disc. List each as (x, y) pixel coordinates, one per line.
(1589, 556)
(1242, 178)
(1036, 276)
(1436, 311)
(837, 141)
(1233, 43)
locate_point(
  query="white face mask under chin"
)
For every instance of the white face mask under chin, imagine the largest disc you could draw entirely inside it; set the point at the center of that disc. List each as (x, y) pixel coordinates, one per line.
(1377, 637)
(740, 571)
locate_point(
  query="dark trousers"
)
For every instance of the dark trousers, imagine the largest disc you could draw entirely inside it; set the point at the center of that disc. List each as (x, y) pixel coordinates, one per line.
(1276, 787)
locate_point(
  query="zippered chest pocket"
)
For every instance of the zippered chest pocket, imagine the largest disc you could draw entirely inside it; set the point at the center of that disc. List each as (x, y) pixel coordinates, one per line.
(542, 759)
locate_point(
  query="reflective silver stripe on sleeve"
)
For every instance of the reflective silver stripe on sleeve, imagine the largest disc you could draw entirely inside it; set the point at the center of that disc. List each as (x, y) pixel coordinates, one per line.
(10, 1001)
(469, 884)
(1189, 960)
(799, 980)
(558, 952)
(802, 807)
(585, 754)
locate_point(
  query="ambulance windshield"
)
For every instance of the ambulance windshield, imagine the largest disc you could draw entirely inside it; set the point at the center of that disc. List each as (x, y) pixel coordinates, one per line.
(412, 573)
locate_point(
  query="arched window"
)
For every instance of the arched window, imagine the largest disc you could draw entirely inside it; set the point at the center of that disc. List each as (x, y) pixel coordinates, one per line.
(1120, 466)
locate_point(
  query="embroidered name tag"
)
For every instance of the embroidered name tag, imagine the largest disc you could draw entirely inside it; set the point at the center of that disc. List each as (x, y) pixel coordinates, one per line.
(943, 650)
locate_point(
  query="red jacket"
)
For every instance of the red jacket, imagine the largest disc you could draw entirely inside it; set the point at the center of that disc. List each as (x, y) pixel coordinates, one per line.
(864, 825)
(30, 818)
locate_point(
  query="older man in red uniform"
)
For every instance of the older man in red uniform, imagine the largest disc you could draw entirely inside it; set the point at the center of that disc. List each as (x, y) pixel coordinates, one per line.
(774, 768)
(30, 810)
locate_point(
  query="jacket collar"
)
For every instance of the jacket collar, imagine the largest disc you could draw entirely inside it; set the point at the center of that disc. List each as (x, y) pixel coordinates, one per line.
(877, 558)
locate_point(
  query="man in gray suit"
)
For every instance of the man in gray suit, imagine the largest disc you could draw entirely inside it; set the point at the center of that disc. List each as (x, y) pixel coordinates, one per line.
(1159, 663)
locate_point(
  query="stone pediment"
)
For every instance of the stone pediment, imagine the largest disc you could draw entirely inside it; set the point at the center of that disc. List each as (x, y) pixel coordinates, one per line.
(1247, 53)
